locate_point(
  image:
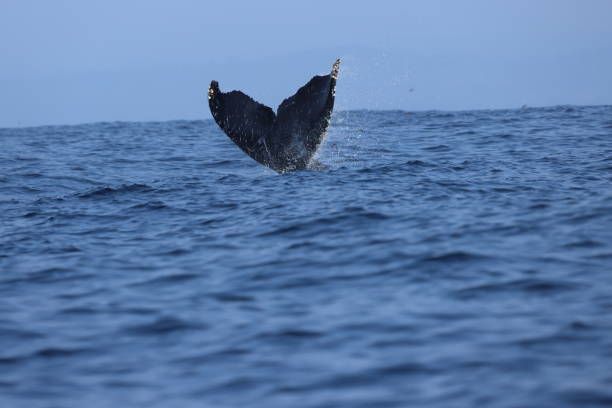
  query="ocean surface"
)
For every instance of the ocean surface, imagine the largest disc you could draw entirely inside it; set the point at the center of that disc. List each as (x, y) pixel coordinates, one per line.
(445, 259)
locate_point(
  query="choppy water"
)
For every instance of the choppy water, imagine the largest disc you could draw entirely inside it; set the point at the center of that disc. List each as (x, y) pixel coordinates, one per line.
(444, 260)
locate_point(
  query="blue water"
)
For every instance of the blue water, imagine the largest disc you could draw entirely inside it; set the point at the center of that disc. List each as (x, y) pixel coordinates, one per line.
(443, 260)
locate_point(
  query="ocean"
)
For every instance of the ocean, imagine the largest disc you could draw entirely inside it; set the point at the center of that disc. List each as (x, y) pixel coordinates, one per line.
(445, 259)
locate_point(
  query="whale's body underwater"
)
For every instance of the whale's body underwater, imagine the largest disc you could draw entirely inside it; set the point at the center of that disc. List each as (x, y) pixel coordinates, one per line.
(286, 140)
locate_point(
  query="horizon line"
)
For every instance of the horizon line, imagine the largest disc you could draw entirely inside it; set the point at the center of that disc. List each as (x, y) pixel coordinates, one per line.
(524, 107)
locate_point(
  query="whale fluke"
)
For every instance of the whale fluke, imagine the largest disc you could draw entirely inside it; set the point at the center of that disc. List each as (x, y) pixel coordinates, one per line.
(286, 140)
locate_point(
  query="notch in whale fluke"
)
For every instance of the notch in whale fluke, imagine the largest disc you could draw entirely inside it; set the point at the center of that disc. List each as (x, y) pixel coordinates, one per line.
(286, 140)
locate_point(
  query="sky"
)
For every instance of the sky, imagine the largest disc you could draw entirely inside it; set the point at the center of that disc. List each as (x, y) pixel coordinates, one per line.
(74, 61)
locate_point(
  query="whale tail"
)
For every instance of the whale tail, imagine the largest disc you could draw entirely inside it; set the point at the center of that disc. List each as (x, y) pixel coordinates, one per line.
(286, 140)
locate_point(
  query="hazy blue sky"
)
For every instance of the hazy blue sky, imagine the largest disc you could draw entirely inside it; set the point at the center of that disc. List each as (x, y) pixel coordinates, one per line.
(80, 61)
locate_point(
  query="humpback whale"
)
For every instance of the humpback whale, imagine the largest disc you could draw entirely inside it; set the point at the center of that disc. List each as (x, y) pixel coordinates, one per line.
(286, 140)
